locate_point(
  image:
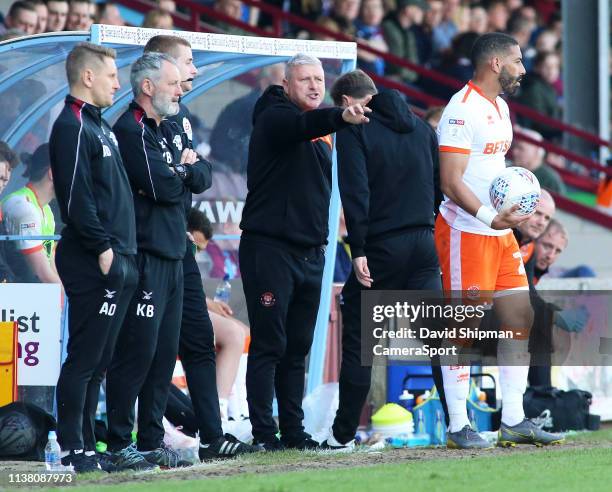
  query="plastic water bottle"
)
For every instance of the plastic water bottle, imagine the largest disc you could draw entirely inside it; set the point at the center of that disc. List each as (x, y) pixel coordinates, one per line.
(406, 400)
(473, 420)
(439, 429)
(420, 427)
(224, 290)
(52, 453)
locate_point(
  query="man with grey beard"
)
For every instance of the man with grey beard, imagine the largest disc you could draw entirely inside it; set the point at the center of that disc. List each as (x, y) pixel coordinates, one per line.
(163, 170)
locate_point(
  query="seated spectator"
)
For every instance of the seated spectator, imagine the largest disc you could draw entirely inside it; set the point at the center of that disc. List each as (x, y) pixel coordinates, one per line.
(548, 247)
(531, 157)
(369, 31)
(230, 333)
(26, 212)
(547, 42)
(230, 8)
(521, 28)
(433, 115)
(43, 13)
(306, 9)
(345, 13)
(108, 13)
(479, 20)
(456, 63)
(229, 139)
(444, 32)
(8, 161)
(497, 12)
(401, 40)
(21, 15)
(167, 6)
(58, 14)
(158, 19)
(327, 23)
(79, 15)
(538, 92)
(424, 32)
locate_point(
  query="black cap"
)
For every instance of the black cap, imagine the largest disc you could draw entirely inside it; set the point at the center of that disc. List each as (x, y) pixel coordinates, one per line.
(37, 163)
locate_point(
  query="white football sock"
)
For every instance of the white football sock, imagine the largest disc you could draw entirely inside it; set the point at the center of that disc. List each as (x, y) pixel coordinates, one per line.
(456, 389)
(513, 378)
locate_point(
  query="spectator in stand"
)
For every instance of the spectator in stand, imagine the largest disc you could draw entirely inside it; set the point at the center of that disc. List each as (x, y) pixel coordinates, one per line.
(547, 42)
(401, 40)
(327, 23)
(307, 9)
(455, 63)
(447, 29)
(531, 157)
(424, 32)
(231, 8)
(158, 19)
(514, 5)
(345, 13)
(43, 14)
(79, 15)
(167, 6)
(479, 20)
(521, 29)
(26, 212)
(58, 14)
(538, 92)
(21, 15)
(108, 13)
(433, 115)
(370, 32)
(498, 15)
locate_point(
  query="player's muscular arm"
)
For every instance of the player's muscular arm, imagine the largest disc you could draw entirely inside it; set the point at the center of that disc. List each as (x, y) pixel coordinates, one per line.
(452, 167)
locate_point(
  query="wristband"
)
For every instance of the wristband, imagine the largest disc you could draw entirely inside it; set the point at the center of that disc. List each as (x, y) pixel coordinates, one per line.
(486, 215)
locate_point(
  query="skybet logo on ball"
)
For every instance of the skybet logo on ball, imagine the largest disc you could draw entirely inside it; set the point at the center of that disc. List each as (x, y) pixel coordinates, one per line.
(515, 186)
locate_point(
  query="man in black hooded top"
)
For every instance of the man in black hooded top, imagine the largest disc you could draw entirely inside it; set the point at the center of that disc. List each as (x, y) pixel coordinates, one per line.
(285, 228)
(388, 184)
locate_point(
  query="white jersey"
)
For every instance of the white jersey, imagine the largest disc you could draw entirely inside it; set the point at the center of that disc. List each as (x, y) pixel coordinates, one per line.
(475, 125)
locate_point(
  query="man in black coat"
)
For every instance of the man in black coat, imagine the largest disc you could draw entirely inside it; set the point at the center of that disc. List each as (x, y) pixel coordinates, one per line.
(387, 185)
(285, 229)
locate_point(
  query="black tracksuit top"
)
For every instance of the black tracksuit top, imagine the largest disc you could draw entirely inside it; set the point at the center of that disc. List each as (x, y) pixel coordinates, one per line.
(388, 172)
(91, 185)
(161, 197)
(289, 170)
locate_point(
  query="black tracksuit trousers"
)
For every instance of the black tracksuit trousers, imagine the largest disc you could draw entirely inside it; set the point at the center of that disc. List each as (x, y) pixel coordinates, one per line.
(404, 262)
(145, 355)
(98, 304)
(197, 352)
(282, 286)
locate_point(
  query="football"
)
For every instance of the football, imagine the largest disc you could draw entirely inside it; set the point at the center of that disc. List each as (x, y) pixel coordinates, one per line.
(515, 186)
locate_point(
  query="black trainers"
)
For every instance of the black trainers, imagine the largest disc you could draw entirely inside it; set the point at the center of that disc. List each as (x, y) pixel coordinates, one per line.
(165, 457)
(81, 463)
(130, 459)
(106, 462)
(270, 445)
(306, 444)
(225, 447)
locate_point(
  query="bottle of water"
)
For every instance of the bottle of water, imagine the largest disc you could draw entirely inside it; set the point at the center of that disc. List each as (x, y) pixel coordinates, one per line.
(439, 430)
(224, 290)
(52, 453)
